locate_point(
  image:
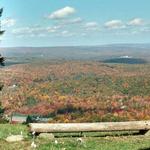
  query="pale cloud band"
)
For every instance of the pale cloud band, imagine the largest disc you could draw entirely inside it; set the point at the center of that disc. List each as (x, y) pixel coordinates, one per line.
(66, 25)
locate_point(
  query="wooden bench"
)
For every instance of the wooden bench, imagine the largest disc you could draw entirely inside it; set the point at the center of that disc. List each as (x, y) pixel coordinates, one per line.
(142, 126)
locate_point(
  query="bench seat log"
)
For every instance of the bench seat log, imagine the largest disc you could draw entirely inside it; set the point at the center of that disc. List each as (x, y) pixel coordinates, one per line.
(89, 127)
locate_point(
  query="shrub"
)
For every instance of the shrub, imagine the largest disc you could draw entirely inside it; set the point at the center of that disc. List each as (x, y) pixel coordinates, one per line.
(31, 101)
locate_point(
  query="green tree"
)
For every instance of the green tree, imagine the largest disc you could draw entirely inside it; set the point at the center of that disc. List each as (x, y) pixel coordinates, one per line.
(2, 59)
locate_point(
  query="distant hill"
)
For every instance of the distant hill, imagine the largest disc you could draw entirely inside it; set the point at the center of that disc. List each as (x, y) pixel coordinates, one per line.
(102, 52)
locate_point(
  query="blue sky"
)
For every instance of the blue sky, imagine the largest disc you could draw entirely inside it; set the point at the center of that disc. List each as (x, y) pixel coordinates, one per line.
(75, 22)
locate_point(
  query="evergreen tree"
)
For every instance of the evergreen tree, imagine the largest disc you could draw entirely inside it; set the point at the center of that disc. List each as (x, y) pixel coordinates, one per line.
(2, 59)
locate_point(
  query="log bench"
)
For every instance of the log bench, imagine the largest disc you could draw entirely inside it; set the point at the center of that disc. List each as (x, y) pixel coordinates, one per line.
(142, 126)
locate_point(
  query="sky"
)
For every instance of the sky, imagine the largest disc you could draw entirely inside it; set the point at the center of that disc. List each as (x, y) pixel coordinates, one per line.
(74, 22)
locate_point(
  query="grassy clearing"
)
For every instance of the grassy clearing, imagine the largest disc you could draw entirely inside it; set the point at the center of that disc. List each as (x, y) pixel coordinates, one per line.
(7, 129)
(67, 143)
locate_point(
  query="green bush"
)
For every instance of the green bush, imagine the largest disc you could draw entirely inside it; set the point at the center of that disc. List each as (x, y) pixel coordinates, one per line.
(31, 101)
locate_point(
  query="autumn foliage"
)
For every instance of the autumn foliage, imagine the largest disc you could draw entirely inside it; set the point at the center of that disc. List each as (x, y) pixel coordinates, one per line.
(77, 91)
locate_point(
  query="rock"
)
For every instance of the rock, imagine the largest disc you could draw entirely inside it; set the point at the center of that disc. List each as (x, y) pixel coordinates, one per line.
(80, 140)
(33, 145)
(48, 136)
(14, 138)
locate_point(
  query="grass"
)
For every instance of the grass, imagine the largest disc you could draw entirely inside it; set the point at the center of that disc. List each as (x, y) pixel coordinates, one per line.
(71, 143)
(107, 143)
(7, 129)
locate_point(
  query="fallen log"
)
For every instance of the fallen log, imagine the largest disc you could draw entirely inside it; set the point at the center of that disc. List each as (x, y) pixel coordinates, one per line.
(90, 127)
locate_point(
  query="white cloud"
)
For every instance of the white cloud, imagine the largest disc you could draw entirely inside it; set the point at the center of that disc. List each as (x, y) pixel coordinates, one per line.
(51, 29)
(75, 21)
(136, 22)
(91, 24)
(114, 24)
(28, 30)
(35, 31)
(8, 22)
(66, 33)
(62, 13)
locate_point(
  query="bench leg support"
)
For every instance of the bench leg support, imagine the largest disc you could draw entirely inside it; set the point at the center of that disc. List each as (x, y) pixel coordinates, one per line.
(147, 133)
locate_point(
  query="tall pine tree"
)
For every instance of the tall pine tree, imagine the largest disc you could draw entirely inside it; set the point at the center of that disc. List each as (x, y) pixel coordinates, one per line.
(2, 59)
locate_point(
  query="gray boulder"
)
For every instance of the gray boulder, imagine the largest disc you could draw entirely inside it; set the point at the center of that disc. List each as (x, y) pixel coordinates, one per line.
(14, 138)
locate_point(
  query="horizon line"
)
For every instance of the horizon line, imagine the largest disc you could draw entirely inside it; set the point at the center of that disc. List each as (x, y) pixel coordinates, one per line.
(110, 44)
